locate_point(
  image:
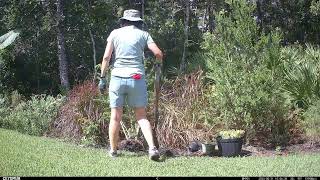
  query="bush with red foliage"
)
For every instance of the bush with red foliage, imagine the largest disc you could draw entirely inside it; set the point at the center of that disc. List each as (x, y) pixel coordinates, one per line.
(83, 116)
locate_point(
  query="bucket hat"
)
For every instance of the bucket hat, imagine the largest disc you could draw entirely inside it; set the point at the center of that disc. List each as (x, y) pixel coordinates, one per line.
(131, 15)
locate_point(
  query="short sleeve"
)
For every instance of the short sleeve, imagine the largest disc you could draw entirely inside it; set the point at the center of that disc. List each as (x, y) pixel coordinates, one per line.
(149, 38)
(111, 37)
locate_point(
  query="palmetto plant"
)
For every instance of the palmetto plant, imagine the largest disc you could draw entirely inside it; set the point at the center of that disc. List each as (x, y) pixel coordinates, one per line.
(302, 78)
(8, 38)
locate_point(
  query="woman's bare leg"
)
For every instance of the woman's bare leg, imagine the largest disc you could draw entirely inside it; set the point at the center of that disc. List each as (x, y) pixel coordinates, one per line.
(114, 127)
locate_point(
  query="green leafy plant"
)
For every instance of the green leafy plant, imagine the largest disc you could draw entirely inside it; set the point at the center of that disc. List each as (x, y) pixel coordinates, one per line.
(231, 134)
(16, 98)
(33, 116)
(245, 70)
(315, 7)
(90, 131)
(311, 121)
(302, 75)
(8, 38)
(7, 77)
(4, 108)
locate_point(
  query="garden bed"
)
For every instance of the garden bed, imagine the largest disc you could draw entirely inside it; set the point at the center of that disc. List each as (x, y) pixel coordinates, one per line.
(248, 150)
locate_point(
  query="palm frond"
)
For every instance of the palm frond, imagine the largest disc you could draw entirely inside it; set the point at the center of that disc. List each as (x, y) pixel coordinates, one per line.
(8, 38)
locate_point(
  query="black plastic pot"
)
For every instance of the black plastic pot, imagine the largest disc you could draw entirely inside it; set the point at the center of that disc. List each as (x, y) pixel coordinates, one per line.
(208, 148)
(229, 147)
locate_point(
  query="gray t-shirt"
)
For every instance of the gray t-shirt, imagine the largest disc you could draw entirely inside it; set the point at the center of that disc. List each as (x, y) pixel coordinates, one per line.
(129, 43)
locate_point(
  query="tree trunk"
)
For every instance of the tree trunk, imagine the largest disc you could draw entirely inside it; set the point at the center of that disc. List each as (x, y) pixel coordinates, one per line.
(63, 63)
(204, 17)
(210, 12)
(186, 36)
(142, 12)
(260, 16)
(306, 20)
(93, 41)
(94, 54)
(142, 9)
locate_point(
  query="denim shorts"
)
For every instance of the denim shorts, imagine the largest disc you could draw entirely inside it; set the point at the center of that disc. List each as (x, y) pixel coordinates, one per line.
(133, 91)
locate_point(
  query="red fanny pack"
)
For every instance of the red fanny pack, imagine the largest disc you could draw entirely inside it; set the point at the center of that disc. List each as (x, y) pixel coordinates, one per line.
(136, 76)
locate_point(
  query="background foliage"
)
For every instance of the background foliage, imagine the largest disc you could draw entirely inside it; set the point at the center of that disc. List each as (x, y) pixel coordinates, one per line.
(31, 117)
(253, 65)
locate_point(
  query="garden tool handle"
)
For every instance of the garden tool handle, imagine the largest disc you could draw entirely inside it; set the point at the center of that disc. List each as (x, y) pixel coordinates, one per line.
(157, 89)
(157, 67)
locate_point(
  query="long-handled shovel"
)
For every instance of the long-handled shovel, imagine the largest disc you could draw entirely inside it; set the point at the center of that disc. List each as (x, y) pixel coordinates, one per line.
(156, 101)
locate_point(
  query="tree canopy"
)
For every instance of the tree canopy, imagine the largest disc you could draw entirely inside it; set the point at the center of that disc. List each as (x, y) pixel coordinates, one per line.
(60, 46)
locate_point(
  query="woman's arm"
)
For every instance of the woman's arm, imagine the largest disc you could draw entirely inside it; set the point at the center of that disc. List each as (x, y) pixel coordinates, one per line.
(106, 58)
(156, 51)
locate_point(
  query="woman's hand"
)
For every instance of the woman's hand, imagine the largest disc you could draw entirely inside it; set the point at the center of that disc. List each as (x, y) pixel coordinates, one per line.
(102, 84)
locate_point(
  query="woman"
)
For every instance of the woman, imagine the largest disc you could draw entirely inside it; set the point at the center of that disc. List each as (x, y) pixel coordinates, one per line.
(128, 76)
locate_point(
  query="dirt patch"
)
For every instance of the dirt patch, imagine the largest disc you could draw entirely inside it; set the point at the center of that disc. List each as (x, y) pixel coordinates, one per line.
(309, 147)
(248, 150)
(131, 145)
(305, 148)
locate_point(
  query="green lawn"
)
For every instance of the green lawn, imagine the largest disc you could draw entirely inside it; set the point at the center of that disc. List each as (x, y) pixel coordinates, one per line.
(23, 155)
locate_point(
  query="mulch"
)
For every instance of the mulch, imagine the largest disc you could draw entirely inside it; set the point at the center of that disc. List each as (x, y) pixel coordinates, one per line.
(247, 150)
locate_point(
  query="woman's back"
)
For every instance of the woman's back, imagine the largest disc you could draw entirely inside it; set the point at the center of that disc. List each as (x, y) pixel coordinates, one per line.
(129, 43)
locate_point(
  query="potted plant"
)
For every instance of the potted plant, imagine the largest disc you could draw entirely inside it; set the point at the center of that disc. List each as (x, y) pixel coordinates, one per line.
(208, 147)
(230, 142)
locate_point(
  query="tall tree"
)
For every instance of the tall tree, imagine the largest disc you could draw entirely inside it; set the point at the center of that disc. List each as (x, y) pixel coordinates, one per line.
(210, 12)
(186, 35)
(295, 18)
(63, 63)
(92, 37)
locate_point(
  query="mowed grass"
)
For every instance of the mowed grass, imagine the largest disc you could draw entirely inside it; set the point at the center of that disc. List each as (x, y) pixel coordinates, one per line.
(23, 155)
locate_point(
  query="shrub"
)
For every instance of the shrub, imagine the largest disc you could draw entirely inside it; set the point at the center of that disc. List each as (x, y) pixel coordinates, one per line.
(33, 116)
(245, 66)
(16, 98)
(4, 108)
(8, 77)
(83, 117)
(185, 112)
(311, 121)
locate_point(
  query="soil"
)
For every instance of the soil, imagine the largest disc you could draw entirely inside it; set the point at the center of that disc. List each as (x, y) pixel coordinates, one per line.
(304, 148)
(131, 145)
(247, 150)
